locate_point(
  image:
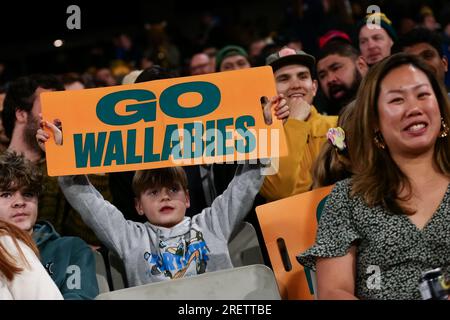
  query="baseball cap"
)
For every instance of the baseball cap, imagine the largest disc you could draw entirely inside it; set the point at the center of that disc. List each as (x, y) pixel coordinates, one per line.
(333, 35)
(287, 56)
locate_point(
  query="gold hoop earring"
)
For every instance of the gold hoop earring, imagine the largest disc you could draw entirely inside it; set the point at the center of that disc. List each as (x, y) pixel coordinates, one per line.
(378, 140)
(444, 129)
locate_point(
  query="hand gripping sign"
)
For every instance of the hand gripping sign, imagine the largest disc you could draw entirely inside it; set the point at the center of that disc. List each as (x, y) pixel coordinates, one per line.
(163, 123)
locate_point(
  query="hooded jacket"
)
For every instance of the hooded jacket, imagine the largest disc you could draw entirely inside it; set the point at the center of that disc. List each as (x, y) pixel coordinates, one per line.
(151, 253)
(69, 261)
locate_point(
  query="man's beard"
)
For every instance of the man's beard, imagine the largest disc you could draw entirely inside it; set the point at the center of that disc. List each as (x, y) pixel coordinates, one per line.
(349, 92)
(30, 133)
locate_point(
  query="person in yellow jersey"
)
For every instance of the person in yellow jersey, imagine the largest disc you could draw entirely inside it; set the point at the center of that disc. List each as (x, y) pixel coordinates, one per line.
(305, 128)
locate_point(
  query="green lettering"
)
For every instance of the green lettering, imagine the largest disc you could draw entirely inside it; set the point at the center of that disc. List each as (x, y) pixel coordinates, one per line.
(131, 148)
(90, 150)
(114, 150)
(241, 127)
(193, 133)
(171, 140)
(210, 93)
(225, 135)
(210, 150)
(147, 111)
(149, 156)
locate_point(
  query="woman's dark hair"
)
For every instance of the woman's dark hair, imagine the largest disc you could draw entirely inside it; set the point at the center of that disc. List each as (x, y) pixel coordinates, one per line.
(376, 176)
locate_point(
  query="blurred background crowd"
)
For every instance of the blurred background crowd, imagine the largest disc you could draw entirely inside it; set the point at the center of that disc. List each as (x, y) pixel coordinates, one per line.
(115, 39)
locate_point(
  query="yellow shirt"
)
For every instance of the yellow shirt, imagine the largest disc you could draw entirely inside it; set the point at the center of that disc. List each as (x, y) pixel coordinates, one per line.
(304, 140)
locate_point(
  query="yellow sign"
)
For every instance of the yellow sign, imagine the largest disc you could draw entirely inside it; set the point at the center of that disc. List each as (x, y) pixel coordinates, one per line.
(163, 123)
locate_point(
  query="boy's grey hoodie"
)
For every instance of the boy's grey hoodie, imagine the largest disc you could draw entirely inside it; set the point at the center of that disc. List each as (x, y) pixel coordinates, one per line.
(151, 253)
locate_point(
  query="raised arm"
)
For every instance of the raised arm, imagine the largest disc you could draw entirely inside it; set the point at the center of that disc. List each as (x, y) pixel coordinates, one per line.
(231, 207)
(101, 216)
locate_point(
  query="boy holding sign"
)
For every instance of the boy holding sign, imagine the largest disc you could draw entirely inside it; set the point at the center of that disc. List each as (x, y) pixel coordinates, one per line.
(169, 245)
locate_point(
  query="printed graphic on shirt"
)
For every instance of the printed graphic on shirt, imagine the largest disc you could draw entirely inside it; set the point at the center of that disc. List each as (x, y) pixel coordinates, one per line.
(186, 256)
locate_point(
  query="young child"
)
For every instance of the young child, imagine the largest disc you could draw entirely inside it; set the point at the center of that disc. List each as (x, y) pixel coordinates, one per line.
(169, 245)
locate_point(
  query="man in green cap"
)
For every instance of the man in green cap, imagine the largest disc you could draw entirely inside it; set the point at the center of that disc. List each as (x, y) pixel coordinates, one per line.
(232, 58)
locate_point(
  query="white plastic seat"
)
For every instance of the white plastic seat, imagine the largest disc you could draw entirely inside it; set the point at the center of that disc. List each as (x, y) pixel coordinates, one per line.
(255, 282)
(118, 274)
(244, 246)
(100, 272)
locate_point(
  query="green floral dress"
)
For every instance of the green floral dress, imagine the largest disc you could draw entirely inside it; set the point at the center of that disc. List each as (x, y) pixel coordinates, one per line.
(391, 252)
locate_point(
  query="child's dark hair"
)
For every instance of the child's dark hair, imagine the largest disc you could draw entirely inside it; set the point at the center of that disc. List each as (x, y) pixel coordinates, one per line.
(154, 73)
(17, 173)
(339, 48)
(158, 178)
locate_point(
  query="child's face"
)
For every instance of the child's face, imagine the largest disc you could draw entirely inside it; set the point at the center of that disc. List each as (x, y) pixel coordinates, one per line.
(165, 207)
(19, 207)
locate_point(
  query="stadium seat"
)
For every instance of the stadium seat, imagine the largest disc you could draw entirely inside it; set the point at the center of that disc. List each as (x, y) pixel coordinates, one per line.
(100, 272)
(255, 282)
(118, 274)
(244, 246)
(289, 228)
